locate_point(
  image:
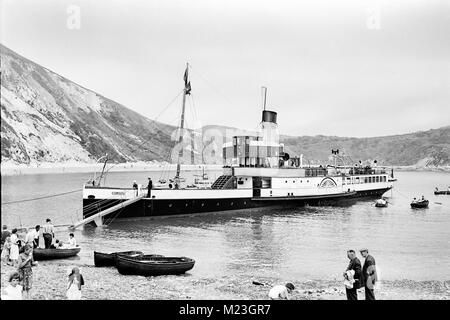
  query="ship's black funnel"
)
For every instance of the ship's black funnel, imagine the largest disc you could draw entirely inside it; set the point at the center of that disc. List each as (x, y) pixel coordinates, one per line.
(269, 116)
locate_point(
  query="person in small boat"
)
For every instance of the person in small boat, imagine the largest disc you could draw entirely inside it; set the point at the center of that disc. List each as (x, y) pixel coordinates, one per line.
(423, 198)
(280, 292)
(48, 233)
(58, 245)
(149, 187)
(13, 290)
(6, 250)
(72, 243)
(24, 268)
(74, 282)
(414, 200)
(14, 251)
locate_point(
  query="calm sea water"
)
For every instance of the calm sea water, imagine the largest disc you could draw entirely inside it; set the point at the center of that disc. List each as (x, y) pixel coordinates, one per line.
(307, 243)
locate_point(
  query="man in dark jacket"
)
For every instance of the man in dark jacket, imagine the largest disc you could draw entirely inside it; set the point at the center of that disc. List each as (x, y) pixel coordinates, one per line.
(369, 274)
(149, 187)
(354, 265)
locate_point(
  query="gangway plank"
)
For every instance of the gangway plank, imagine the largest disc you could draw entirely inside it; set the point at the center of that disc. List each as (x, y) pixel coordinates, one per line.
(106, 211)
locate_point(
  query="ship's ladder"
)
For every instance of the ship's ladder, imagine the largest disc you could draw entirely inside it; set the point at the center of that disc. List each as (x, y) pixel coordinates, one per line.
(97, 217)
(221, 182)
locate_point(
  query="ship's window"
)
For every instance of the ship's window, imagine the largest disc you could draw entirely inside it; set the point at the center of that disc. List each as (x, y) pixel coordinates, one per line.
(245, 202)
(286, 181)
(231, 203)
(384, 179)
(217, 204)
(203, 204)
(307, 180)
(186, 204)
(377, 179)
(170, 205)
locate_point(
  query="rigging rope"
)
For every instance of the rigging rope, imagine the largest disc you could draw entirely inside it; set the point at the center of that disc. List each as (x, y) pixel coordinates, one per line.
(40, 198)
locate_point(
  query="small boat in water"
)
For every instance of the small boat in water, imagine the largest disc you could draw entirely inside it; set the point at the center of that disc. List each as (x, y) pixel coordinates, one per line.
(109, 259)
(441, 192)
(50, 254)
(420, 204)
(381, 203)
(153, 266)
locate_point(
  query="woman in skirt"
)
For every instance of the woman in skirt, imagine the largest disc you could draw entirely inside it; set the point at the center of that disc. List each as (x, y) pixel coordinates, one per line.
(25, 263)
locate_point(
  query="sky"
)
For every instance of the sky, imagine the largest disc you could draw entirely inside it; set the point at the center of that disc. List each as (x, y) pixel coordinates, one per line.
(358, 68)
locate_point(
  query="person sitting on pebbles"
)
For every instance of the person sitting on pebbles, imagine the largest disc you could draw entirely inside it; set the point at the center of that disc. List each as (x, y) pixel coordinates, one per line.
(280, 292)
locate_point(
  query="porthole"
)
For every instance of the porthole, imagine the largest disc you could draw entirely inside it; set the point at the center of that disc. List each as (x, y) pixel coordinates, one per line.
(186, 204)
(217, 204)
(245, 202)
(231, 203)
(170, 205)
(203, 204)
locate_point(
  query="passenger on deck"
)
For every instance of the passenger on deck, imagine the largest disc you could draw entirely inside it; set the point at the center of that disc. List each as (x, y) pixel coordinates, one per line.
(149, 187)
(135, 187)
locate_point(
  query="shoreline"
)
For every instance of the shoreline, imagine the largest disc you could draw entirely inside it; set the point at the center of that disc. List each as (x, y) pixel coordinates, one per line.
(49, 283)
(60, 168)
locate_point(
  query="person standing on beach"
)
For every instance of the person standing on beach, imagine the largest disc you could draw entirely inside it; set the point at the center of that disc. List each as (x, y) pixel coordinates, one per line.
(5, 251)
(24, 268)
(354, 265)
(14, 251)
(48, 233)
(74, 283)
(5, 234)
(32, 237)
(149, 187)
(369, 274)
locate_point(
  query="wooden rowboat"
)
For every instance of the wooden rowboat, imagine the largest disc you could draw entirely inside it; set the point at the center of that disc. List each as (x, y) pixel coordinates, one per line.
(153, 266)
(420, 204)
(49, 254)
(109, 259)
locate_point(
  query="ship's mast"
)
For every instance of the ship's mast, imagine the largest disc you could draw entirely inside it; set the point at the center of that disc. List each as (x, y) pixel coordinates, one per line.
(186, 91)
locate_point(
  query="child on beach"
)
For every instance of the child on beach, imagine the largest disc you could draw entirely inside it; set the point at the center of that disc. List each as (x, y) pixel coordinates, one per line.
(5, 251)
(24, 267)
(13, 290)
(74, 283)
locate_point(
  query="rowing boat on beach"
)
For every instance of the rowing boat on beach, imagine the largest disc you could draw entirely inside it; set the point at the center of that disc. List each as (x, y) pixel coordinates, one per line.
(50, 254)
(109, 259)
(153, 266)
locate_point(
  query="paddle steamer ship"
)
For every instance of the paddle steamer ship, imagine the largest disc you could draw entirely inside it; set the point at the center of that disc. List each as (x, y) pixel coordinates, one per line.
(257, 172)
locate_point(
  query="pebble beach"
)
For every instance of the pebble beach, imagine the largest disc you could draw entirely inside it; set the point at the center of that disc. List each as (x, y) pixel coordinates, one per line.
(49, 283)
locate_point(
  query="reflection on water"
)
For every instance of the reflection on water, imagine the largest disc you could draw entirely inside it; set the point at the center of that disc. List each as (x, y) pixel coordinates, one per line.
(277, 242)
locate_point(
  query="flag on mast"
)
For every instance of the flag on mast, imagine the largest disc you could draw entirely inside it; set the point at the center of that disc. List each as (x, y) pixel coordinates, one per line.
(187, 83)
